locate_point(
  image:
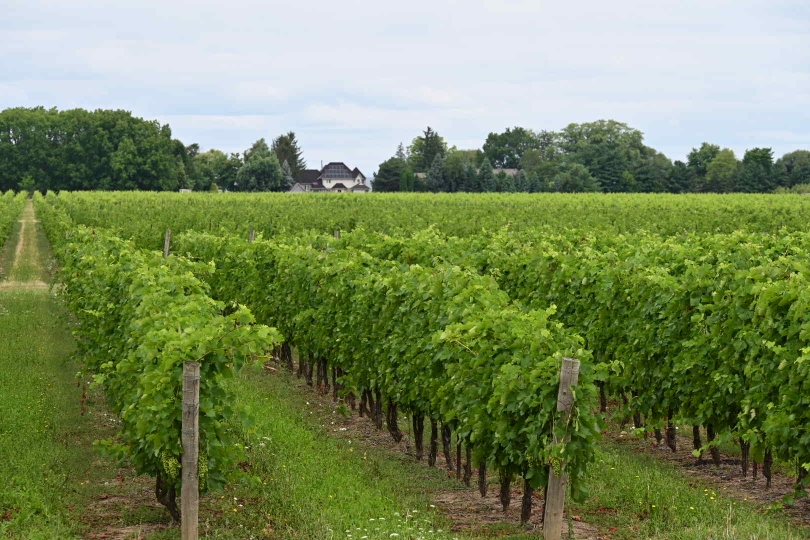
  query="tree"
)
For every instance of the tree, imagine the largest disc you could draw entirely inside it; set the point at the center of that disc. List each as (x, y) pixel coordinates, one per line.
(424, 149)
(793, 168)
(756, 174)
(679, 178)
(505, 183)
(435, 177)
(407, 180)
(505, 150)
(287, 149)
(611, 151)
(261, 172)
(535, 184)
(721, 172)
(698, 162)
(653, 172)
(388, 176)
(400, 153)
(575, 178)
(259, 148)
(28, 184)
(215, 167)
(287, 175)
(486, 177)
(521, 182)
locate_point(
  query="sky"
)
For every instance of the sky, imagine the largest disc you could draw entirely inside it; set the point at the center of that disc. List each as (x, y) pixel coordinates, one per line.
(354, 79)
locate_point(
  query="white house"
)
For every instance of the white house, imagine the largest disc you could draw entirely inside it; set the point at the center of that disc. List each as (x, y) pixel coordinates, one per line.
(335, 177)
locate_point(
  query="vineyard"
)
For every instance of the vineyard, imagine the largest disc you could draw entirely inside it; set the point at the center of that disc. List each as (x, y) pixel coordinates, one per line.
(453, 311)
(10, 207)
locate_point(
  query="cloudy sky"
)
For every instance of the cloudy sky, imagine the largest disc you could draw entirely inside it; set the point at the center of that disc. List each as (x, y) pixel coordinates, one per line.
(353, 79)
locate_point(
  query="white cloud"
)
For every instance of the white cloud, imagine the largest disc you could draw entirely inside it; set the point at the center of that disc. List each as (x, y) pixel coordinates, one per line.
(355, 79)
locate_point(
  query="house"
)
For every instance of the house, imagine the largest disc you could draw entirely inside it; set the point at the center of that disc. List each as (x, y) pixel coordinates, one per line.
(335, 177)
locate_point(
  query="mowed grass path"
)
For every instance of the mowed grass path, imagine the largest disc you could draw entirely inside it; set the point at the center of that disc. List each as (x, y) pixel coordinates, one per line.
(39, 399)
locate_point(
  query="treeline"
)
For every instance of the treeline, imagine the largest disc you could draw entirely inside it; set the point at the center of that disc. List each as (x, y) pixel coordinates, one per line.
(602, 156)
(47, 149)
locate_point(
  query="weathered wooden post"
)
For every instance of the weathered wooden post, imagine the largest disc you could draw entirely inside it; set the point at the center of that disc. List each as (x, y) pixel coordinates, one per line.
(190, 488)
(251, 236)
(167, 242)
(337, 233)
(557, 484)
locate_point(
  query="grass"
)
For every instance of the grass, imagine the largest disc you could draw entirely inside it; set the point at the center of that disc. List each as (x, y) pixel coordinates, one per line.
(25, 265)
(314, 486)
(39, 400)
(642, 497)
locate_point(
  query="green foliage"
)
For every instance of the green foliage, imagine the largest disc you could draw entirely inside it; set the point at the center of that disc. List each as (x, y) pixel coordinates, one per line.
(438, 340)
(575, 178)
(81, 150)
(215, 167)
(505, 150)
(141, 317)
(435, 176)
(388, 177)
(722, 171)
(287, 150)
(261, 172)
(11, 206)
(793, 168)
(463, 215)
(423, 150)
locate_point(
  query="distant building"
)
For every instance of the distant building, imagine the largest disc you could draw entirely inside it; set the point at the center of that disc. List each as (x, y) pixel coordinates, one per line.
(335, 177)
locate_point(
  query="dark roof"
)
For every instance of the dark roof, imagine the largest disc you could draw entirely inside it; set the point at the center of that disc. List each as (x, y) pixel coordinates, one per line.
(338, 185)
(356, 172)
(336, 170)
(360, 187)
(309, 176)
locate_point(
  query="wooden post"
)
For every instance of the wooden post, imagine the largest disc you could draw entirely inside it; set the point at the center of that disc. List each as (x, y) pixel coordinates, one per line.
(555, 498)
(337, 233)
(190, 488)
(251, 236)
(167, 242)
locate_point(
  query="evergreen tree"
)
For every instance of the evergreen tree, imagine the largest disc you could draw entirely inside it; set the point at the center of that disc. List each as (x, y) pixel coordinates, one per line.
(575, 178)
(401, 153)
(424, 149)
(486, 177)
(535, 184)
(286, 148)
(521, 182)
(407, 180)
(287, 175)
(435, 178)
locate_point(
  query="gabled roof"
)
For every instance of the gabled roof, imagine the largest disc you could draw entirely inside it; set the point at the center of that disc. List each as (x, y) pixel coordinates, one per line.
(356, 172)
(360, 187)
(338, 186)
(336, 170)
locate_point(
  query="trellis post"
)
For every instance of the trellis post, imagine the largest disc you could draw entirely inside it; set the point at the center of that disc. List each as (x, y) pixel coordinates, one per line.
(557, 483)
